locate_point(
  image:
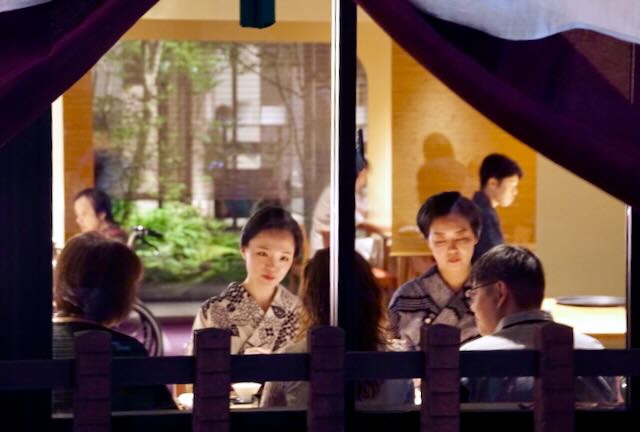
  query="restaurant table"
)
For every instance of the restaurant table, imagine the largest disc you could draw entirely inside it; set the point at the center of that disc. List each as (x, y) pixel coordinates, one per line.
(608, 324)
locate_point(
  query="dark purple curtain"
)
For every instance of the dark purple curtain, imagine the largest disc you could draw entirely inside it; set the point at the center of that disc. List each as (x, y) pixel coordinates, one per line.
(567, 96)
(45, 49)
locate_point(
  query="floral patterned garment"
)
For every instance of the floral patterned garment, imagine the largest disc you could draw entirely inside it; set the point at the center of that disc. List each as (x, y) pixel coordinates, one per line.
(251, 327)
(429, 300)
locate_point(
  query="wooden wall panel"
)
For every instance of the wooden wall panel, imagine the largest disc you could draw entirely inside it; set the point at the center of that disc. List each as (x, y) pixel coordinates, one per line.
(425, 113)
(78, 145)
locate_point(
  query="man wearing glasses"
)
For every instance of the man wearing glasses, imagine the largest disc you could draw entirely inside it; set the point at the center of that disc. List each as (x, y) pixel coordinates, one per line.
(506, 295)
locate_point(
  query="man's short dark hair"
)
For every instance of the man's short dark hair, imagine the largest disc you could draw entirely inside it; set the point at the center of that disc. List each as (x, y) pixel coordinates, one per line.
(518, 268)
(444, 204)
(499, 167)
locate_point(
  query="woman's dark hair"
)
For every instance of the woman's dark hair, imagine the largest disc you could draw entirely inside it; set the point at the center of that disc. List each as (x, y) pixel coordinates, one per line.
(372, 314)
(444, 204)
(99, 200)
(96, 279)
(271, 218)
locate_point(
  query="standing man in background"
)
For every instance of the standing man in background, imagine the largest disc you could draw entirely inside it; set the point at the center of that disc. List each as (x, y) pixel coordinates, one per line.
(321, 221)
(499, 178)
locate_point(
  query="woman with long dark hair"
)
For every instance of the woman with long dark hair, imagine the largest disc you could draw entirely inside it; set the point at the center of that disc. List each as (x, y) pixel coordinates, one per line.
(372, 334)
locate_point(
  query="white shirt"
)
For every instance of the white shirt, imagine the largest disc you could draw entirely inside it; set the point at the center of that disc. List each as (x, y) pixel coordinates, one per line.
(321, 221)
(517, 332)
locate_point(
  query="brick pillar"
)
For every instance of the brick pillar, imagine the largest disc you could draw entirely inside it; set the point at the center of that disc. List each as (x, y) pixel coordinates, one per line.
(440, 410)
(212, 381)
(326, 411)
(92, 390)
(554, 393)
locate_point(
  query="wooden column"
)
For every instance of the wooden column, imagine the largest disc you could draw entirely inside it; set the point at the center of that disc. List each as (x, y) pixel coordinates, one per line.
(326, 411)
(554, 393)
(440, 410)
(212, 348)
(25, 265)
(92, 389)
(77, 105)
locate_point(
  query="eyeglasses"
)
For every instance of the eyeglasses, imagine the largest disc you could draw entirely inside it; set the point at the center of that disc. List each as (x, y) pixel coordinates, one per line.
(471, 292)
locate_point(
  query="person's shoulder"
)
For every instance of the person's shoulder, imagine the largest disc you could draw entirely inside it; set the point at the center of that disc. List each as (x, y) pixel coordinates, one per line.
(126, 346)
(417, 284)
(68, 329)
(479, 198)
(414, 288)
(288, 295)
(489, 343)
(296, 347)
(285, 302)
(233, 291)
(583, 341)
(115, 232)
(325, 197)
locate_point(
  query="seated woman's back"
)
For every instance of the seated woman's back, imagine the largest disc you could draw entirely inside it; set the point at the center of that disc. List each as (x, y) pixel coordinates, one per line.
(94, 288)
(371, 337)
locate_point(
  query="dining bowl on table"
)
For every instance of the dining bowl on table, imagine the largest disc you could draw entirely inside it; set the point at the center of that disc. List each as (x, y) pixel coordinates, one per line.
(245, 391)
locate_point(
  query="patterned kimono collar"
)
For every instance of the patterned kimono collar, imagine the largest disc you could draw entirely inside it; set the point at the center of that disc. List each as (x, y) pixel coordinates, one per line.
(280, 298)
(430, 294)
(253, 327)
(435, 274)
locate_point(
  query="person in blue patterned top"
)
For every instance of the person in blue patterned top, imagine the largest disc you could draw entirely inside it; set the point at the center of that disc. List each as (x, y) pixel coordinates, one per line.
(451, 225)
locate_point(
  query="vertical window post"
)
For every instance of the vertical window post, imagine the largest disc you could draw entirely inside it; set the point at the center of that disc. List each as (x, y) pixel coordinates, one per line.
(25, 265)
(343, 107)
(343, 177)
(633, 260)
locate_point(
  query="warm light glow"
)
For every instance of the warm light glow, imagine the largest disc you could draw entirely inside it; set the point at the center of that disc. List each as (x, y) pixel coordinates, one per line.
(335, 165)
(57, 161)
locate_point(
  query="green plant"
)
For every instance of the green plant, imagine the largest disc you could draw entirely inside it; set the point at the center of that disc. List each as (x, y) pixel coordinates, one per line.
(193, 248)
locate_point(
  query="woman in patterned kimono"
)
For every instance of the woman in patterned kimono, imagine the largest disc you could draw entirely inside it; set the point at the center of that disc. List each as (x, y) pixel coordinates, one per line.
(261, 314)
(451, 225)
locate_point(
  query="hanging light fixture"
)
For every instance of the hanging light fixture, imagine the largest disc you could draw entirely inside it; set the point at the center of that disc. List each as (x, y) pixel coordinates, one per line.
(257, 13)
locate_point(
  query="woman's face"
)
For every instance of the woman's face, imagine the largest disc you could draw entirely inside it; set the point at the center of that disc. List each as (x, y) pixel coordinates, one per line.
(268, 258)
(86, 217)
(452, 241)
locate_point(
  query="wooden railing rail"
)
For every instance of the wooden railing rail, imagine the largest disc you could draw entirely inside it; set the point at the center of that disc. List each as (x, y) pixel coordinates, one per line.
(440, 365)
(47, 374)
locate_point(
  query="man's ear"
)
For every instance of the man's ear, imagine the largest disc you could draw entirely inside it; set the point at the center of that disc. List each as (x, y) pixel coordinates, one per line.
(102, 216)
(492, 183)
(503, 293)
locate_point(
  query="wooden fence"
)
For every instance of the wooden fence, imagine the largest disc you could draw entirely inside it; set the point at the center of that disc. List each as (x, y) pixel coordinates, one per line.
(327, 367)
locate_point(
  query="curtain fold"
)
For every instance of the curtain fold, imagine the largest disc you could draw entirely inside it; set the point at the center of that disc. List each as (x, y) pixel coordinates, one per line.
(44, 49)
(566, 96)
(534, 19)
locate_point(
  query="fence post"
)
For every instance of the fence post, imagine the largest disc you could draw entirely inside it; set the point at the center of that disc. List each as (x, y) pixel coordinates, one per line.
(212, 381)
(554, 393)
(92, 387)
(326, 410)
(440, 387)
